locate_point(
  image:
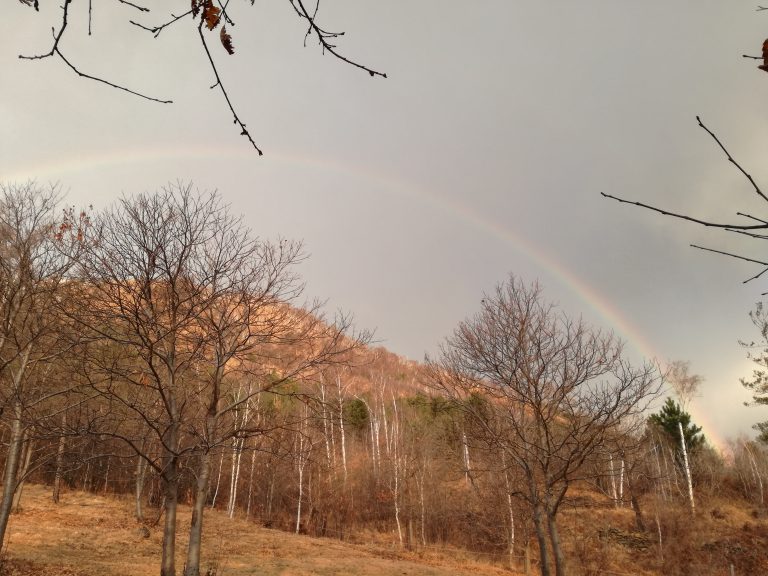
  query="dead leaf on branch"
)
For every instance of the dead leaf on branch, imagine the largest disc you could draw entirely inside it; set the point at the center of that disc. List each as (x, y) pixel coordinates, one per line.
(211, 15)
(226, 41)
(764, 66)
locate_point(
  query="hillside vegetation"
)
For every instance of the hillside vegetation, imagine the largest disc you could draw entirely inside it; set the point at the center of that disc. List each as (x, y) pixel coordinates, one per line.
(159, 353)
(93, 535)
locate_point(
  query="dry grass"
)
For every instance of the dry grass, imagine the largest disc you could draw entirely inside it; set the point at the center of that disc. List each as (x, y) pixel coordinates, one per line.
(89, 535)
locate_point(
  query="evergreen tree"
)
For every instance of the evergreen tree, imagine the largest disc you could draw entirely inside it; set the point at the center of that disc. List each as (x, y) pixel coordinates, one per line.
(667, 419)
(758, 353)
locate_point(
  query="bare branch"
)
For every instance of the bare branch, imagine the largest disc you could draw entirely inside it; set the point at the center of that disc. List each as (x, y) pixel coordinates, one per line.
(110, 84)
(132, 5)
(732, 161)
(731, 255)
(684, 217)
(155, 30)
(751, 217)
(750, 234)
(243, 129)
(57, 36)
(323, 36)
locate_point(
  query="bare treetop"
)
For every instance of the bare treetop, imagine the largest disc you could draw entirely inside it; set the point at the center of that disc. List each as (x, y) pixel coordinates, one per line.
(685, 384)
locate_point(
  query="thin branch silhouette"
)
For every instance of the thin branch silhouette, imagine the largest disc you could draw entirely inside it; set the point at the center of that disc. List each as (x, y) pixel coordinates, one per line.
(749, 230)
(55, 51)
(211, 14)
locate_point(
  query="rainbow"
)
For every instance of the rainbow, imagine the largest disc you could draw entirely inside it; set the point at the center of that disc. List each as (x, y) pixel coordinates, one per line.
(603, 308)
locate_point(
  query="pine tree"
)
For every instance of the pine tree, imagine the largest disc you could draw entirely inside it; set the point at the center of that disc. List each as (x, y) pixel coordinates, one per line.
(667, 420)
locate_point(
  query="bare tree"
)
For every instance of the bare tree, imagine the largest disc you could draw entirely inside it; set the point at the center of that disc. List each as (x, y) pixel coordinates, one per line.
(545, 391)
(35, 259)
(209, 20)
(183, 306)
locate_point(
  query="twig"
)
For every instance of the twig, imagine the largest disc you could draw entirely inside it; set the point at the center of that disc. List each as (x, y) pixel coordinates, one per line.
(132, 5)
(731, 255)
(752, 217)
(323, 36)
(110, 84)
(732, 161)
(57, 36)
(243, 129)
(684, 217)
(750, 234)
(155, 30)
(756, 276)
(224, 14)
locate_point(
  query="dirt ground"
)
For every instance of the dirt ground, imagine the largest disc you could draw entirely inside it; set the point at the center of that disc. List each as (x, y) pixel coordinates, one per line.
(90, 535)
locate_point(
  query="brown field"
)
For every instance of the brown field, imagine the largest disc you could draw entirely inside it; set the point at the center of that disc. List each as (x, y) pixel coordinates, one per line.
(90, 535)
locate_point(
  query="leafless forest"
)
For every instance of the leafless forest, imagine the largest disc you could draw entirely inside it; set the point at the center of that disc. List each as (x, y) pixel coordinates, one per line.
(159, 350)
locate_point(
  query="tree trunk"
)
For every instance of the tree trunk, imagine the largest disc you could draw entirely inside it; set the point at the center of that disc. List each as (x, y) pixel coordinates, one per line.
(510, 508)
(237, 450)
(639, 523)
(21, 476)
(557, 549)
(467, 464)
(250, 485)
(168, 567)
(756, 472)
(541, 537)
(687, 468)
(141, 467)
(11, 467)
(171, 481)
(59, 462)
(196, 529)
(218, 482)
(621, 484)
(106, 476)
(341, 430)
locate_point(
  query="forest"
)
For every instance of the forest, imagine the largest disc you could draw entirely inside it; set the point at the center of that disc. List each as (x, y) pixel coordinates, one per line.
(158, 351)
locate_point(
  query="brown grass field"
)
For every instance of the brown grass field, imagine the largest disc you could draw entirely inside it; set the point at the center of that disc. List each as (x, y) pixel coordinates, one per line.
(90, 535)
(95, 535)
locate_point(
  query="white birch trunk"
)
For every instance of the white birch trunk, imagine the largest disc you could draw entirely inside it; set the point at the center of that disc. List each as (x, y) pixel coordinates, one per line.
(755, 471)
(326, 435)
(660, 480)
(508, 487)
(687, 468)
(304, 449)
(250, 485)
(218, 482)
(341, 429)
(467, 464)
(612, 471)
(422, 504)
(621, 484)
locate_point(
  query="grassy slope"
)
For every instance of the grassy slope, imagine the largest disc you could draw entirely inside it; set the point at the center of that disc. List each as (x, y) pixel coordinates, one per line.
(89, 535)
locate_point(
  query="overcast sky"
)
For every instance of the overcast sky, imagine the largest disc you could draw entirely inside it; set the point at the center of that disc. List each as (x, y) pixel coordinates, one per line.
(483, 154)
